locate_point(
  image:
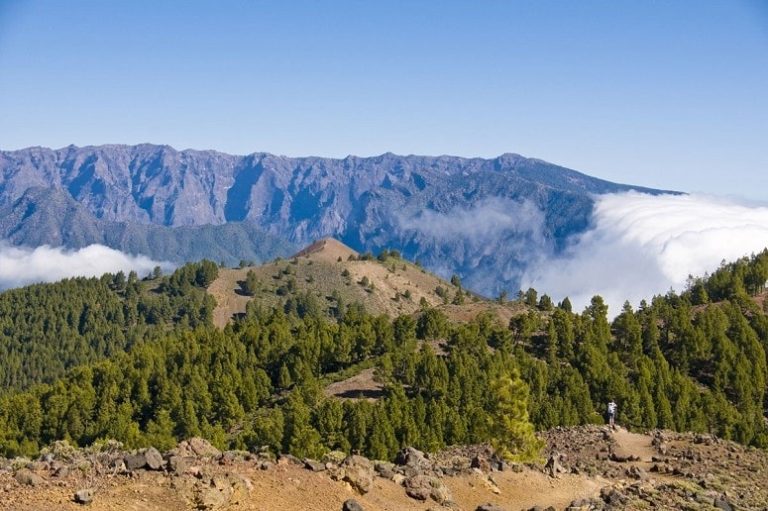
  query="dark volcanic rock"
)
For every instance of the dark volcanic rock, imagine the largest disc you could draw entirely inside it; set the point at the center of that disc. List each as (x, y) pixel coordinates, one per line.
(84, 496)
(351, 505)
(149, 459)
(723, 504)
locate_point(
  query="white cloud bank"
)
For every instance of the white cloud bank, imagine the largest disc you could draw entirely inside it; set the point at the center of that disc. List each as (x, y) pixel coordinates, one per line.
(20, 266)
(481, 224)
(471, 238)
(642, 245)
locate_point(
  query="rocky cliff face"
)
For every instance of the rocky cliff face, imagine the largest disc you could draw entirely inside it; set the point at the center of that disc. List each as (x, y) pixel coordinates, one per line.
(475, 217)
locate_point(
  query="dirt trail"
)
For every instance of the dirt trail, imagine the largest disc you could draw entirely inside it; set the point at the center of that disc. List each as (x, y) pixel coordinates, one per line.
(524, 490)
(633, 444)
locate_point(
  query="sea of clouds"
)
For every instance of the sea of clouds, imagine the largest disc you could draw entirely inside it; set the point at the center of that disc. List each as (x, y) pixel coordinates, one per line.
(477, 233)
(642, 245)
(639, 246)
(20, 266)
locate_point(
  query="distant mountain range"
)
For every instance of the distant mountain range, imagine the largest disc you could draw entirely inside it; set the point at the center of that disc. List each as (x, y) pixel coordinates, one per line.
(483, 219)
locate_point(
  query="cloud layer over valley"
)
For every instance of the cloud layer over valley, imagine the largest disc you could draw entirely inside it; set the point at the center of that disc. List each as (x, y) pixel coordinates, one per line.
(470, 239)
(641, 245)
(22, 265)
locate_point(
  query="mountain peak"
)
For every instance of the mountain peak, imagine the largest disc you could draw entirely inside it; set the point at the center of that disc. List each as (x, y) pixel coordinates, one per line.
(327, 249)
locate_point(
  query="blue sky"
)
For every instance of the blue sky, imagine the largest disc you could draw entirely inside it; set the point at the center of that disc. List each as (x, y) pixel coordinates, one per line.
(659, 93)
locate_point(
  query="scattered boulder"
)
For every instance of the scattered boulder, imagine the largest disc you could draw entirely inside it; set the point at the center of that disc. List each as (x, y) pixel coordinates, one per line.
(613, 497)
(196, 447)
(622, 458)
(178, 465)
(422, 487)
(84, 496)
(488, 507)
(636, 472)
(412, 457)
(583, 505)
(722, 503)
(28, 478)
(213, 495)
(553, 466)
(358, 472)
(289, 459)
(227, 457)
(480, 462)
(154, 459)
(314, 465)
(149, 459)
(351, 505)
(417, 487)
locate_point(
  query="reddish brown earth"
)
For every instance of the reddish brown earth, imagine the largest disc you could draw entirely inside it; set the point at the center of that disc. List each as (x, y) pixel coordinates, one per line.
(587, 468)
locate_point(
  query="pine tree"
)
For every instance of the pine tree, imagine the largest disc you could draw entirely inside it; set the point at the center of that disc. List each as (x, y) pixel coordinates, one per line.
(382, 443)
(251, 284)
(300, 437)
(510, 431)
(160, 432)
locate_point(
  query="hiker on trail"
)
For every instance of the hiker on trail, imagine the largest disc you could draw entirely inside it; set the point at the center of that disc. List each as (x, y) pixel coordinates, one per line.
(612, 406)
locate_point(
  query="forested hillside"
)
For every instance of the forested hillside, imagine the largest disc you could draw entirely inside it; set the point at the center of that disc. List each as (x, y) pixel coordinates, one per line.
(690, 362)
(694, 361)
(47, 328)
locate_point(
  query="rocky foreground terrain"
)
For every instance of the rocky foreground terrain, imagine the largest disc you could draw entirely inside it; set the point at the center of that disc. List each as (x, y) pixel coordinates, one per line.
(585, 468)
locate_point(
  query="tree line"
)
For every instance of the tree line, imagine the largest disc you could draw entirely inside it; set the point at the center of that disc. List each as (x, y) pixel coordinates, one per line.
(46, 329)
(680, 361)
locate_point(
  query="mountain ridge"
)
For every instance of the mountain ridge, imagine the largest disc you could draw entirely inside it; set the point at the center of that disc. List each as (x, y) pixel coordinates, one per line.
(426, 207)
